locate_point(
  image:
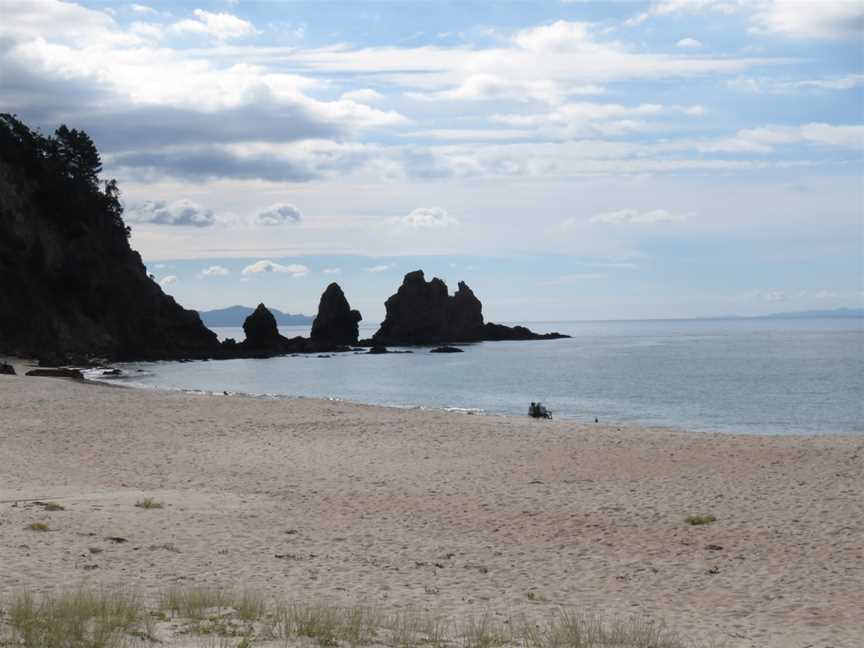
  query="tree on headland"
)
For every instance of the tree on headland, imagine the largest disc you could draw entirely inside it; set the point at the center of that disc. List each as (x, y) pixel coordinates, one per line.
(77, 155)
(66, 168)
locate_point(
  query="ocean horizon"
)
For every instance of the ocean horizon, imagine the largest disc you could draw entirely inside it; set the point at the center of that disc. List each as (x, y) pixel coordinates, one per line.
(751, 376)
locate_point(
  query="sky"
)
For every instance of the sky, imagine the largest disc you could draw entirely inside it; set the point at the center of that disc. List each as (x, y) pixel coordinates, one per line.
(566, 159)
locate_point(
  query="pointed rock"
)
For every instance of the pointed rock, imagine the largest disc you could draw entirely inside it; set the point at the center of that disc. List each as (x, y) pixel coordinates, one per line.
(261, 330)
(335, 323)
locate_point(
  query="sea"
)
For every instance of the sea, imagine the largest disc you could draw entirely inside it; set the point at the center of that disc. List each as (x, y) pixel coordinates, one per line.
(750, 376)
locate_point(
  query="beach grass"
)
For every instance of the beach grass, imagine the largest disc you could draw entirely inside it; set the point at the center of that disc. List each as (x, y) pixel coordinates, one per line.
(148, 503)
(245, 619)
(38, 526)
(80, 619)
(53, 506)
(698, 520)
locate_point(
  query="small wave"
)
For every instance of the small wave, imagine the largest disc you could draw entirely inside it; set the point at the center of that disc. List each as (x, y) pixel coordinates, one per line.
(465, 410)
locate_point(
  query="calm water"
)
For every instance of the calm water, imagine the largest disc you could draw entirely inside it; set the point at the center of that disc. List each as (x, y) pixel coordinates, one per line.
(751, 376)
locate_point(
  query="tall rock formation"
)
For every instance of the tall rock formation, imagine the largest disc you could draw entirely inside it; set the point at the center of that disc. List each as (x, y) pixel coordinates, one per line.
(69, 282)
(422, 312)
(335, 324)
(262, 333)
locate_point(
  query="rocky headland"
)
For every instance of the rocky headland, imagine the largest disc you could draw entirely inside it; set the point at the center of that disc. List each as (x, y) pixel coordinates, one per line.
(71, 285)
(73, 291)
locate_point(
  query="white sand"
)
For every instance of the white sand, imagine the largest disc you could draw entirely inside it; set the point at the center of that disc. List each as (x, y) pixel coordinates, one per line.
(434, 511)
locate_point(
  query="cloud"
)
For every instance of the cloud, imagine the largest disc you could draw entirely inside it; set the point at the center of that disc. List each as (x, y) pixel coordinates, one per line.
(427, 218)
(572, 279)
(688, 43)
(378, 268)
(582, 119)
(632, 216)
(492, 87)
(167, 281)
(668, 7)
(215, 271)
(221, 26)
(767, 138)
(365, 95)
(296, 270)
(772, 295)
(278, 214)
(784, 86)
(143, 9)
(178, 212)
(830, 19)
(332, 271)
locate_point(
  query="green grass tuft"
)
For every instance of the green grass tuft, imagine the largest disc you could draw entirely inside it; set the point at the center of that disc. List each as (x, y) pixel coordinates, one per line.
(148, 503)
(37, 526)
(697, 520)
(74, 620)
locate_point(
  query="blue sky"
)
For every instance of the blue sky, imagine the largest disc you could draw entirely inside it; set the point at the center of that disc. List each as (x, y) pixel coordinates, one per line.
(568, 160)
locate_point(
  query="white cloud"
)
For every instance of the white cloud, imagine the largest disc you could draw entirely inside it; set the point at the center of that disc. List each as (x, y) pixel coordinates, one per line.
(773, 295)
(573, 279)
(215, 271)
(825, 294)
(60, 22)
(365, 95)
(668, 7)
(143, 9)
(632, 216)
(767, 138)
(561, 35)
(782, 86)
(581, 119)
(427, 218)
(378, 268)
(178, 212)
(278, 214)
(221, 26)
(332, 271)
(688, 43)
(493, 87)
(167, 281)
(830, 19)
(296, 270)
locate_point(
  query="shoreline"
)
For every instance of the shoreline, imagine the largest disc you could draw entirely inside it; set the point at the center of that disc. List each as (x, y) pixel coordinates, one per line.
(429, 510)
(22, 365)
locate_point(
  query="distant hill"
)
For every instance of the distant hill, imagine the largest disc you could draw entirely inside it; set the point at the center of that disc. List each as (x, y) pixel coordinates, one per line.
(843, 313)
(236, 315)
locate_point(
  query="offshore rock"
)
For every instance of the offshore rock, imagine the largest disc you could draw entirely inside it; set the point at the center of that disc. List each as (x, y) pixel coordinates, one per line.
(261, 331)
(56, 373)
(336, 323)
(6, 369)
(423, 313)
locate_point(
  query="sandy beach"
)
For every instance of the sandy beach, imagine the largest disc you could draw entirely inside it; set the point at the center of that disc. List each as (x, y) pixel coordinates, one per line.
(430, 510)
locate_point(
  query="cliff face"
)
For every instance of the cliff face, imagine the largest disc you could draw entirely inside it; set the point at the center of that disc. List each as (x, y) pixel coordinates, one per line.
(69, 282)
(422, 312)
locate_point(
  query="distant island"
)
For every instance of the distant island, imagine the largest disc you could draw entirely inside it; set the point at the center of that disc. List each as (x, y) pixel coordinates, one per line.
(236, 315)
(830, 313)
(835, 313)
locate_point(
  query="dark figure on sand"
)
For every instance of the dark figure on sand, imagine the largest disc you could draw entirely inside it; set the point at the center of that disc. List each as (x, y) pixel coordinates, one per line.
(538, 410)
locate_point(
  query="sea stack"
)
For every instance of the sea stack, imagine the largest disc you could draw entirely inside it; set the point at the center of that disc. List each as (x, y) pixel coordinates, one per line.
(261, 331)
(335, 324)
(423, 313)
